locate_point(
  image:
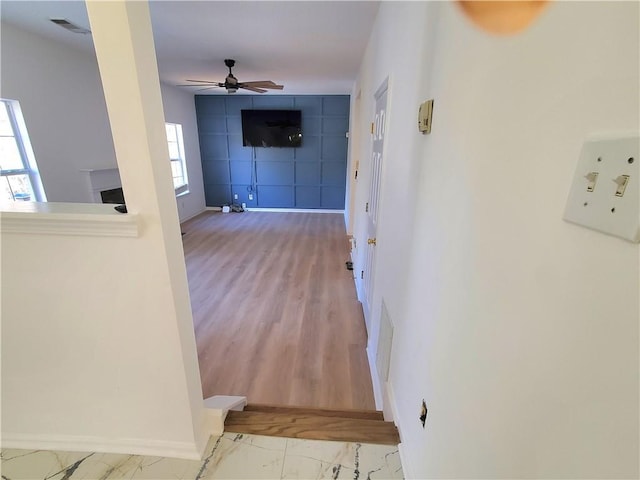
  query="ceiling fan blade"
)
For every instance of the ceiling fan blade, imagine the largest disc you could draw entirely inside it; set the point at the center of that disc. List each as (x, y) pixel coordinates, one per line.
(201, 85)
(202, 81)
(264, 84)
(259, 82)
(206, 88)
(253, 89)
(273, 87)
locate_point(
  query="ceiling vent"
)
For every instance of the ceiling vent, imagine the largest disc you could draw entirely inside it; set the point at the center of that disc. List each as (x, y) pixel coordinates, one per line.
(72, 27)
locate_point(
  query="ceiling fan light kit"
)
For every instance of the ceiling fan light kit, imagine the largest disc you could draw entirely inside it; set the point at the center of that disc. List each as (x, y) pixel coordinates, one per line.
(231, 83)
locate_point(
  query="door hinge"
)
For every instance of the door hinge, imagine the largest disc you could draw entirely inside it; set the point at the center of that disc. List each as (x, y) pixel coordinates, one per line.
(372, 128)
(362, 274)
(346, 134)
(366, 207)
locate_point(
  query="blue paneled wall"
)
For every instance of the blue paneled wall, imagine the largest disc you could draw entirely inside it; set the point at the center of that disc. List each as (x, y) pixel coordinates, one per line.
(311, 176)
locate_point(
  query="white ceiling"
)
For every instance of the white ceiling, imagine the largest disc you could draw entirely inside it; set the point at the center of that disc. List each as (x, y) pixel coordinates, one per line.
(309, 47)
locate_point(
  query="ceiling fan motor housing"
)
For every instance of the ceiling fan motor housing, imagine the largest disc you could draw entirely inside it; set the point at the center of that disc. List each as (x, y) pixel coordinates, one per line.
(231, 82)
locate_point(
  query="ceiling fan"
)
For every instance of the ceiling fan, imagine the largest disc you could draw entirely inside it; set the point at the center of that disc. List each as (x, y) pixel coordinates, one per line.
(232, 84)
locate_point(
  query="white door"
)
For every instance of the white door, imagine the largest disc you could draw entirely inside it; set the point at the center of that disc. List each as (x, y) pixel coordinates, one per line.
(372, 206)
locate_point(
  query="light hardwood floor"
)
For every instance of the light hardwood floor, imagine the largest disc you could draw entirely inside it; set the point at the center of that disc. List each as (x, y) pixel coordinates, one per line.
(275, 310)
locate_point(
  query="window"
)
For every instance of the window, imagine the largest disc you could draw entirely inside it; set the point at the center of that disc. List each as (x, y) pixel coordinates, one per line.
(176, 155)
(19, 178)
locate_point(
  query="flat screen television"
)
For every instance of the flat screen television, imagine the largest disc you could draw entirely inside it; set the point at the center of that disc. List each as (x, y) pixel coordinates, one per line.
(271, 128)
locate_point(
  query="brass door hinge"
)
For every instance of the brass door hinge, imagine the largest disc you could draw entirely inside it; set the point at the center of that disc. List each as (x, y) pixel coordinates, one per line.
(362, 274)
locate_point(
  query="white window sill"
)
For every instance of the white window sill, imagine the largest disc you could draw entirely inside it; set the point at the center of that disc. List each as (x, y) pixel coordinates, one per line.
(95, 219)
(182, 194)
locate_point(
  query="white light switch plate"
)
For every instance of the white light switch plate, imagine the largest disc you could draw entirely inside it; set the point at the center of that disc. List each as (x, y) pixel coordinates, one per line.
(600, 209)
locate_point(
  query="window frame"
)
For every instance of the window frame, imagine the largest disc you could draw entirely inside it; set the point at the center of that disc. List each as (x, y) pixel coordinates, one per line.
(180, 160)
(29, 166)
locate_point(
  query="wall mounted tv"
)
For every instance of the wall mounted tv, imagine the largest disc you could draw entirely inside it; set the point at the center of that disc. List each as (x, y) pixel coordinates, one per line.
(271, 128)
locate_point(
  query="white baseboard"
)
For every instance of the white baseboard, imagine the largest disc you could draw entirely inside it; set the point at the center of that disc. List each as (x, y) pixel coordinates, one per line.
(391, 398)
(182, 220)
(406, 471)
(80, 443)
(282, 210)
(359, 292)
(294, 210)
(375, 380)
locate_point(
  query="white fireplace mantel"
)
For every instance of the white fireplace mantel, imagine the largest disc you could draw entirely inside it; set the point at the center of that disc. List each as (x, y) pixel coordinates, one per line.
(99, 179)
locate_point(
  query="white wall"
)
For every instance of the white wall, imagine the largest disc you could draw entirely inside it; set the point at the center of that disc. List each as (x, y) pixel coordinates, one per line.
(61, 96)
(98, 347)
(179, 107)
(405, 23)
(519, 330)
(89, 352)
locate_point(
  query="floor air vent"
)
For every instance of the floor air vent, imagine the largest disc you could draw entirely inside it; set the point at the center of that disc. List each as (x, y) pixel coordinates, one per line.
(385, 339)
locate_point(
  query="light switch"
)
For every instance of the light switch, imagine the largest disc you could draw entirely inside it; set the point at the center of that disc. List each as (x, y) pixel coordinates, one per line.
(604, 194)
(621, 182)
(425, 113)
(592, 177)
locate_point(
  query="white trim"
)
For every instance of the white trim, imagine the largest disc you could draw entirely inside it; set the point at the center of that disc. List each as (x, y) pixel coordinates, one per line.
(182, 190)
(359, 292)
(99, 179)
(282, 210)
(67, 219)
(406, 471)
(377, 388)
(79, 443)
(181, 158)
(217, 408)
(226, 402)
(194, 215)
(21, 136)
(214, 421)
(391, 397)
(97, 169)
(295, 210)
(396, 416)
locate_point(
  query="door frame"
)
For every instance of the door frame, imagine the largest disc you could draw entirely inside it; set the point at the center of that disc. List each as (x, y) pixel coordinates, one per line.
(366, 300)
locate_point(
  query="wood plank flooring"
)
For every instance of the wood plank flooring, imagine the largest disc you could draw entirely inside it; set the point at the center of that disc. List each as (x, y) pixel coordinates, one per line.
(275, 310)
(313, 427)
(318, 412)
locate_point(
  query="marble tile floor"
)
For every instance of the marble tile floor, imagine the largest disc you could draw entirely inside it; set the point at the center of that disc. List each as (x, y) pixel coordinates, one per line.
(231, 456)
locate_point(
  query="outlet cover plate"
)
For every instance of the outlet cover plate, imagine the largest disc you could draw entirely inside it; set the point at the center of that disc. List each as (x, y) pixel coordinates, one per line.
(601, 209)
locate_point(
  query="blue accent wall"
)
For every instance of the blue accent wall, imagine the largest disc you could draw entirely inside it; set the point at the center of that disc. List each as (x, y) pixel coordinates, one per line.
(311, 176)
